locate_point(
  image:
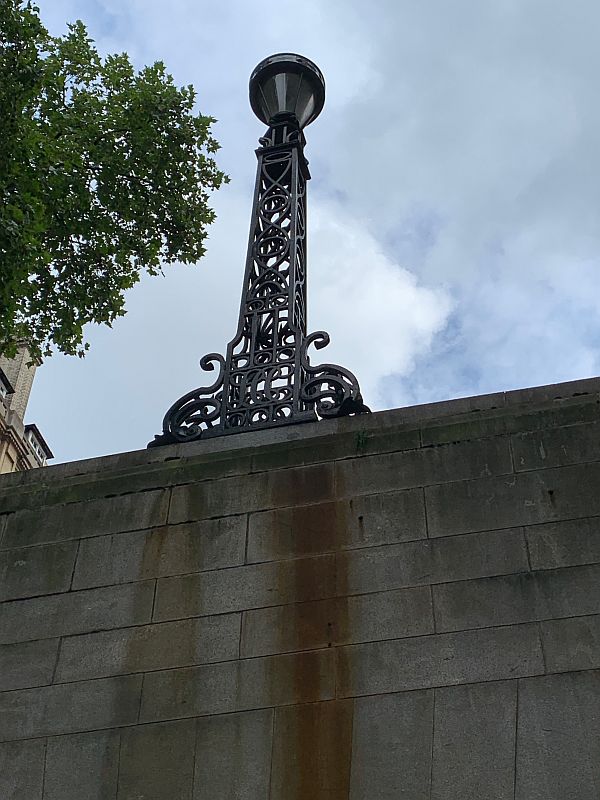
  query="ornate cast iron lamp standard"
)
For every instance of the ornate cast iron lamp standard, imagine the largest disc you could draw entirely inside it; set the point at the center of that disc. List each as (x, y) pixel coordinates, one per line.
(267, 379)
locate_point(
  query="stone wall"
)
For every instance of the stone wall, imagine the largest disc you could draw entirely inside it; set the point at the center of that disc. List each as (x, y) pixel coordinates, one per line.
(400, 606)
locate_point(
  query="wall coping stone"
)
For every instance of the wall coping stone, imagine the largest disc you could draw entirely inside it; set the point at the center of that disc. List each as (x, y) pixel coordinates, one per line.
(237, 446)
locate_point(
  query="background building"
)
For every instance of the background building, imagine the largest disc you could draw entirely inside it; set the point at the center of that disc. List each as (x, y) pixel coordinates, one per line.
(21, 446)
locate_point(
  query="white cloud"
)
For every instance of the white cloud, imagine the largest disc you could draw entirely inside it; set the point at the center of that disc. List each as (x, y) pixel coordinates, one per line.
(380, 319)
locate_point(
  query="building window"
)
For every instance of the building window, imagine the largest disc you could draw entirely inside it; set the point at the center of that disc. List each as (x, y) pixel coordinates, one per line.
(36, 447)
(6, 390)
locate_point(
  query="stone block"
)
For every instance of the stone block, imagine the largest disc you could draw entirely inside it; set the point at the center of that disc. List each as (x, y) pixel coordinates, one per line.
(289, 628)
(362, 521)
(22, 770)
(466, 427)
(524, 499)
(190, 468)
(122, 475)
(571, 644)
(445, 408)
(286, 487)
(170, 550)
(82, 766)
(474, 742)
(241, 588)
(391, 750)
(442, 660)
(572, 491)
(342, 620)
(569, 411)
(78, 520)
(152, 647)
(429, 465)
(431, 561)
(27, 664)
(233, 756)
(70, 708)
(386, 518)
(558, 739)
(557, 447)
(31, 571)
(553, 392)
(238, 686)
(157, 761)
(312, 748)
(506, 600)
(301, 453)
(340, 445)
(76, 612)
(564, 544)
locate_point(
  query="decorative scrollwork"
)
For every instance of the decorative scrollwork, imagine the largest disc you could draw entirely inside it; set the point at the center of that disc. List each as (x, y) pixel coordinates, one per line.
(197, 411)
(332, 390)
(266, 378)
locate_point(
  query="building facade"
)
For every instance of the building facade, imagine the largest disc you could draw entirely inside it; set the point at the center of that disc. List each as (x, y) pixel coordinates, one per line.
(22, 446)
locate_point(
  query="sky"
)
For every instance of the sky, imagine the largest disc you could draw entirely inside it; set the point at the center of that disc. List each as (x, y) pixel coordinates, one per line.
(454, 210)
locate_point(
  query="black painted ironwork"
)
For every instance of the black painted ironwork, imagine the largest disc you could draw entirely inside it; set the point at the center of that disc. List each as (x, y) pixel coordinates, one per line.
(266, 378)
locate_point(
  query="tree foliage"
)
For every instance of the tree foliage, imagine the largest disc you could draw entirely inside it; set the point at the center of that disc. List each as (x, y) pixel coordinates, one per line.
(105, 172)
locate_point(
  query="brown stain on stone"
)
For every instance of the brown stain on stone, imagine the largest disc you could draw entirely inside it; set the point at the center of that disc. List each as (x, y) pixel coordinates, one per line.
(300, 486)
(311, 530)
(312, 751)
(152, 558)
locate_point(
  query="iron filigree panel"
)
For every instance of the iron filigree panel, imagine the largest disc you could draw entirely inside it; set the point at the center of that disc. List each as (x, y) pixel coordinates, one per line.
(266, 378)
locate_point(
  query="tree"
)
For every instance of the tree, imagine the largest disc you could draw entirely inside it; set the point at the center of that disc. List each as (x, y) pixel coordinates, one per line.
(105, 173)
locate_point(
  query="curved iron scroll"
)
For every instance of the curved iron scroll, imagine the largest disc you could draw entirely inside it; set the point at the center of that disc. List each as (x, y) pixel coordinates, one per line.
(333, 390)
(197, 411)
(266, 378)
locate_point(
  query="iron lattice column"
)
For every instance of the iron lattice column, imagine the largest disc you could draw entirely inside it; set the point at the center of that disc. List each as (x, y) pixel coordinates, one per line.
(266, 378)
